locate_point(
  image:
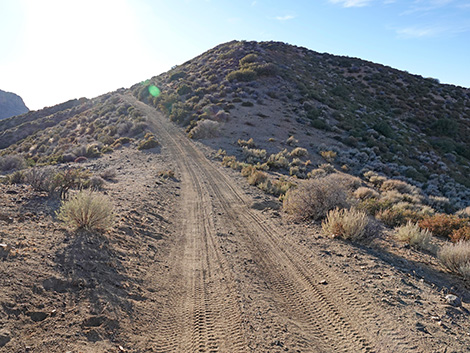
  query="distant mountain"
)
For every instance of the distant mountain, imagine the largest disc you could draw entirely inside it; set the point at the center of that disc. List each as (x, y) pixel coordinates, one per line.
(11, 104)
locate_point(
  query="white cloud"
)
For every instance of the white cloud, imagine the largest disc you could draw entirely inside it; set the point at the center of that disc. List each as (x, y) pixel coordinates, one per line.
(284, 18)
(351, 3)
(416, 32)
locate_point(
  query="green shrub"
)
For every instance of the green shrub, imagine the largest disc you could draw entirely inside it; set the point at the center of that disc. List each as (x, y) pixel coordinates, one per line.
(346, 223)
(87, 210)
(313, 199)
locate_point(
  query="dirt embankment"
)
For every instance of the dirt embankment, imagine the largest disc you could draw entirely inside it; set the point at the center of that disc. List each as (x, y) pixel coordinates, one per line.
(193, 264)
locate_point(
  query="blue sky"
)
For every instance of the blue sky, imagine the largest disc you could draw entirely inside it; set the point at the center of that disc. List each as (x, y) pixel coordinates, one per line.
(55, 50)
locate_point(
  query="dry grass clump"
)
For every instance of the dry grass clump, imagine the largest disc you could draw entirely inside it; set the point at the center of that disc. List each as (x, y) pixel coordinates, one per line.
(292, 141)
(346, 223)
(87, 210)
(456, 258)
(412, 234)
(329, 156)
(313, 199)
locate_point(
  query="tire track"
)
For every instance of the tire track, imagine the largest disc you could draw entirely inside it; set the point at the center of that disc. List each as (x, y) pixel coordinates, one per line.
(332, 318)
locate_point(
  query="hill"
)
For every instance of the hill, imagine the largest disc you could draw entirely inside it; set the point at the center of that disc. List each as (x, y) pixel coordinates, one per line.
(376, 118)
(11, 105)
(282, 214)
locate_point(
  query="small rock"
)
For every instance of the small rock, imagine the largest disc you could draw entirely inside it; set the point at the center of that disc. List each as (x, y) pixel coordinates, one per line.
(323, 282)
(37, 316)
(453, 300)
(4, 250)
(5, 337)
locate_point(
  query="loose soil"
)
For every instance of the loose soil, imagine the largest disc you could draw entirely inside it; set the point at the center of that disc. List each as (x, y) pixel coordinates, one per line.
(203, 262)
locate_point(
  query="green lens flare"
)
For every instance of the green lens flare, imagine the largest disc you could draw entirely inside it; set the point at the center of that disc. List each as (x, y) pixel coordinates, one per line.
(154, 90)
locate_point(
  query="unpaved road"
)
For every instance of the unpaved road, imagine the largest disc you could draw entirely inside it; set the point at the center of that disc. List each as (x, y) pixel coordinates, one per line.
(239, 283)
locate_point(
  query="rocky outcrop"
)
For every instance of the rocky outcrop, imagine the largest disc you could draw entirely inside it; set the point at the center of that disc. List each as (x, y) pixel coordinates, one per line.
(11, 104)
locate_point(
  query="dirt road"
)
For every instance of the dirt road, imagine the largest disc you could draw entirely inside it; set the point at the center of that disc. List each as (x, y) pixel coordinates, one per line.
(239, 283)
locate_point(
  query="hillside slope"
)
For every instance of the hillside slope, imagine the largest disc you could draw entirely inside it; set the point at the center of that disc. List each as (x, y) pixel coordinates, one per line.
(374, 117)
(11, 104)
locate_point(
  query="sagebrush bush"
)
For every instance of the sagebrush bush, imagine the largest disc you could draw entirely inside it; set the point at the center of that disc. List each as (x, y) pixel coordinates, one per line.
(11, 162)
(87, 210)
(400, 186)
(204, 129)
(456, 258)
(313, 199)
(246, 143)
(412, 234)
(346, 223)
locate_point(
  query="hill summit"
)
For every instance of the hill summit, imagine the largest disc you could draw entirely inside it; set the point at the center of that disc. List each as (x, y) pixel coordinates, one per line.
(11, 104)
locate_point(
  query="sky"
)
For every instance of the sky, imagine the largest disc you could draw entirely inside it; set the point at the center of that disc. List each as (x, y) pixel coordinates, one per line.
(55, 50)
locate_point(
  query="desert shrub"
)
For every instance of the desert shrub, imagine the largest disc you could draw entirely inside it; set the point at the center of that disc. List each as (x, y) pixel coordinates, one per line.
(257, 177)
(346, 223)
(247, 104)
(314, 198)
(279, 160)
(443, 225)
(121, 141)
(456, 258)
(166, 174)
(348, 181)
(231, 162)
(148, 142)
(40, 179)
(204, 129)
(327, 167)
(292, 141)
(94, 183)
(108, 174)
(461, 234)
(92, 151)
(87, 210)
(374, 178)
(398, 185)
(317, 174)
(248, 59)
(12, 162)
(246, 143)
(242, 75)
(412, 234)
(363, 193)
(299, 152)
(329, 156)
(396, 216)
(63, 181)
(463, 213)
(17, 177)
(253, 155)
(373, 206)
(184, 89)
(298, 172)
